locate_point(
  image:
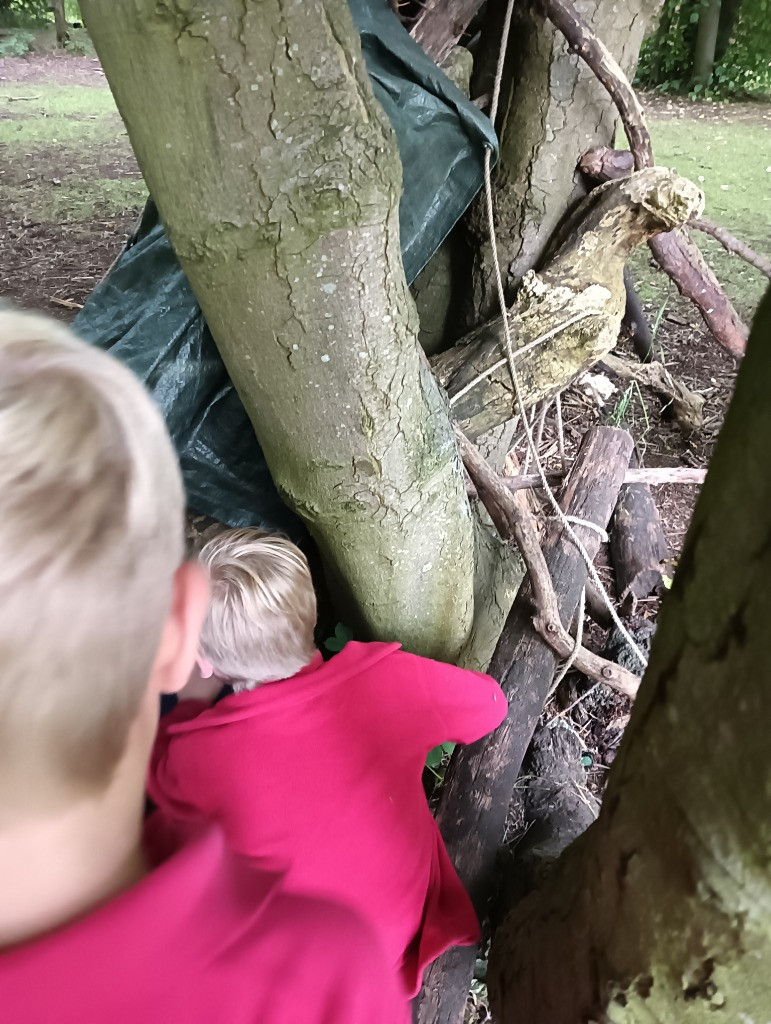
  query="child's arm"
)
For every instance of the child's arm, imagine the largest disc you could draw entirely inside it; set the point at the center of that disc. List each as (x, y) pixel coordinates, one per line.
(462, 706)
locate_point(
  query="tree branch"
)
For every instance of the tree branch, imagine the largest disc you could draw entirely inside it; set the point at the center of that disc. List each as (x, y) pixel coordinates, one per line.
(653, 477)
(514, 520)
(732, 244)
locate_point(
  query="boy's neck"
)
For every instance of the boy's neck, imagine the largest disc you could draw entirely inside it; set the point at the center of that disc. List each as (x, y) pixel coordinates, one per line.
(56, 869)
(59, 865)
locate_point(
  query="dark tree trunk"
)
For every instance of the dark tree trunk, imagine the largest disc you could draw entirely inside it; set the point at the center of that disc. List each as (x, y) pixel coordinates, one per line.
(62, 34)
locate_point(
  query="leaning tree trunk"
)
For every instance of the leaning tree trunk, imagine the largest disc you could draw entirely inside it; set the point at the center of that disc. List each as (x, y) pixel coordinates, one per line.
(552, 110)
(278, 179)
(662, 910)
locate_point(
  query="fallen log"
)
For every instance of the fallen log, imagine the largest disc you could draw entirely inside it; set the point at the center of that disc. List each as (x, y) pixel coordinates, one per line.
(638, 547)
(481, 777)
(606, 164)
(566, 317)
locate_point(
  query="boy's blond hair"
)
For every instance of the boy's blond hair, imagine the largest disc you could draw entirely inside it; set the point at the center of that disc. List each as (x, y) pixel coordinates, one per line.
(91, 533)
(263, 607)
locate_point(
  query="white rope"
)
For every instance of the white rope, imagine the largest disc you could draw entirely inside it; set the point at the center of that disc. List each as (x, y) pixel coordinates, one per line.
(512, 366)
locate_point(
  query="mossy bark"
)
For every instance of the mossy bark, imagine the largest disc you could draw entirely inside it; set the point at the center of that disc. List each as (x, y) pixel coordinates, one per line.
(661, 912)
(552, 111)
(278, 179)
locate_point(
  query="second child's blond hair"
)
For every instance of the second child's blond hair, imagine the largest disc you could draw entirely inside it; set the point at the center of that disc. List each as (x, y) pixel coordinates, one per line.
(263, 607)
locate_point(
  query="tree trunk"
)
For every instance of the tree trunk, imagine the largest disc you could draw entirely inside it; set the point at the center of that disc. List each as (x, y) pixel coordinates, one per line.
(729, 9)
(552, 110)
(62, 35)
(278, 179)
(661, 911)
(706, 41)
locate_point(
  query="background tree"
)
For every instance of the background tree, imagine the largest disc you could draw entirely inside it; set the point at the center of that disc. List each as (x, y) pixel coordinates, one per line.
(722, 48)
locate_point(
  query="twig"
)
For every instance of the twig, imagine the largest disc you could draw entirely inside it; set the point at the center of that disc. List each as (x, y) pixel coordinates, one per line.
(654, 477)
(514, 520)
(732, 244)
(66, 303)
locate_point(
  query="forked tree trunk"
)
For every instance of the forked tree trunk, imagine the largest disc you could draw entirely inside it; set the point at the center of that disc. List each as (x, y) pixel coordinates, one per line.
(278, 178)
(662, 910)
(552, 110)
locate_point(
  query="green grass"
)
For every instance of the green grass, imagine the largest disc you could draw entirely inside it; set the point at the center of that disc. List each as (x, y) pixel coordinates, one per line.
(64, 153)
(50, 115)
(731, 163)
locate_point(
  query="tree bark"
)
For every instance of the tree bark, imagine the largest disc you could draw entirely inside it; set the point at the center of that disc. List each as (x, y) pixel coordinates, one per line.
(479, 783)
(278, 179)
(706, 41)
(583, 278)
(660, 912)
(552, 110)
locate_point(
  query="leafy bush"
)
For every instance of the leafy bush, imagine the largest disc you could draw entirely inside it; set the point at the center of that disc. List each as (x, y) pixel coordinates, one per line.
(24, 14)
(16, 43)
(743, 70)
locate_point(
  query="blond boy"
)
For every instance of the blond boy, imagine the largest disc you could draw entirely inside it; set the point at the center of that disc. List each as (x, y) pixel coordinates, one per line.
(319, 765)
(104, 916)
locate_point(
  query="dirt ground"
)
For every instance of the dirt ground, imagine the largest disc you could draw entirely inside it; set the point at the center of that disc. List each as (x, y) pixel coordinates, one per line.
(46, 264)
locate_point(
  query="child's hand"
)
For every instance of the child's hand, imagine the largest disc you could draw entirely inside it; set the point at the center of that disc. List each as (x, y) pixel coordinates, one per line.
(199, 687)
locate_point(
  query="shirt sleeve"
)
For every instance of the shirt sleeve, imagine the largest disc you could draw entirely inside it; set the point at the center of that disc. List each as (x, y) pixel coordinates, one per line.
(172, 775)
(460, 706)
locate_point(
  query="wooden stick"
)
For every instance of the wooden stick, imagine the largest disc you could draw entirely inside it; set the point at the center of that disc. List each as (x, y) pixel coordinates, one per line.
(477, 791)
(732, 244)
(514, 520)
(653, 477)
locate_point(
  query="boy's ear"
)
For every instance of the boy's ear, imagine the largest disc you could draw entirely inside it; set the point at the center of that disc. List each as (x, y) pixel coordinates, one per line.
(205, 667)
(178, 648)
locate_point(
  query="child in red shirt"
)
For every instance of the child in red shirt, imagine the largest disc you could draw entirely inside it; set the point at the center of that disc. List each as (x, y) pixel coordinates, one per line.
(104, 917)
(318, 766)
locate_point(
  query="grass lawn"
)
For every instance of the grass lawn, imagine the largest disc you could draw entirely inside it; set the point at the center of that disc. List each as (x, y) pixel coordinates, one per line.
(731, 162)
(64, 154)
